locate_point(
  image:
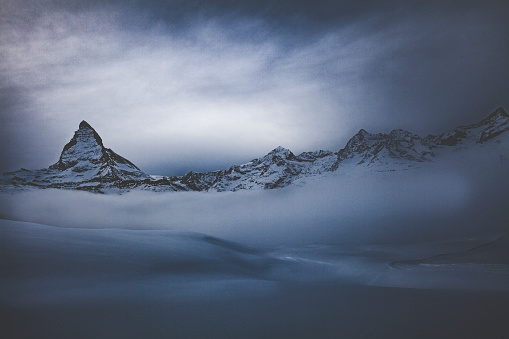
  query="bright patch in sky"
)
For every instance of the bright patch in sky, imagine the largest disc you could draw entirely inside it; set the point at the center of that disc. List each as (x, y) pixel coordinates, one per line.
(205, 91)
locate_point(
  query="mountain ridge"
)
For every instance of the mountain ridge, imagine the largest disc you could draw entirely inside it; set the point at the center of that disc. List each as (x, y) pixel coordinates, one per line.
(86, 164)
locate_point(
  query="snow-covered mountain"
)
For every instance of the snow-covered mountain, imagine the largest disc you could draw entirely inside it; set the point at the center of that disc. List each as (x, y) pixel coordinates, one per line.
(279, 168)
(401, 147)
(85, 164)
(396, 150)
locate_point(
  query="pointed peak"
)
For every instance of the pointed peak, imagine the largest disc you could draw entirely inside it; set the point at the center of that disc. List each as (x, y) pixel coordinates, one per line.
(280, 149)
(84, 124)
(86, 144)
(361, 135)
(280, 152)
(498, 116)
(499, 112)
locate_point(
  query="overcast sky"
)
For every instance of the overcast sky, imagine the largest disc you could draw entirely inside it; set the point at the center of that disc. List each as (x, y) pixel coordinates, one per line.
(175, 86)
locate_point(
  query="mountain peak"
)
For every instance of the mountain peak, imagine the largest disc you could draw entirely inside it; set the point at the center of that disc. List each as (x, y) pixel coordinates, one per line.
(86, 154)
(281, 152)
(277, 154)
(280, 149)
(85, 145)
(361, 135)
(499, 113)
(84, 124)
(88, 130)
(498, 117)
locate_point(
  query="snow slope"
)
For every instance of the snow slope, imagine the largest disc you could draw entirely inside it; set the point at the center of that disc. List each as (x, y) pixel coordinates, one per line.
(119, 283)
(85, 164)
(46, 265)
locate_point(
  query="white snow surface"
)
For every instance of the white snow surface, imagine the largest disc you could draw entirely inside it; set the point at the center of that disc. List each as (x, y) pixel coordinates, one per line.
(85, 164)
(47, 265)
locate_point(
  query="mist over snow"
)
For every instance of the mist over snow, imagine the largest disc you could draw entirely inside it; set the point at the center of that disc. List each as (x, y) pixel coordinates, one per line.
(435, 202)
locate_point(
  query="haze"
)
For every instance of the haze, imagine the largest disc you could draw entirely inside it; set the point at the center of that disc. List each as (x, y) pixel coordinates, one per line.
(178, 86)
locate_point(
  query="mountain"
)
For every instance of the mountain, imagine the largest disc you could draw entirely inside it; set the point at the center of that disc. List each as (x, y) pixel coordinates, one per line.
(402, 147)
(397, 147)
(396, 150)
(278, 168)
(489, 128)
(85, 164)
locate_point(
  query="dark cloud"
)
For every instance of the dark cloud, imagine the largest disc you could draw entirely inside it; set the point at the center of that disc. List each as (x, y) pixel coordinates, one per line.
(195, 85)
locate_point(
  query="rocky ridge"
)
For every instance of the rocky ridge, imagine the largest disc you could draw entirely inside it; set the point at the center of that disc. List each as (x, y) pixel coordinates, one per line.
(85, 164)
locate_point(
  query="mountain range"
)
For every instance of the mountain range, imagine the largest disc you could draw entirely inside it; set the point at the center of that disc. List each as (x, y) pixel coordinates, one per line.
(86, 164)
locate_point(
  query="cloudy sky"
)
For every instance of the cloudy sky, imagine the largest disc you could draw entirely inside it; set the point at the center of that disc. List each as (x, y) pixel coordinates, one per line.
(200, 85)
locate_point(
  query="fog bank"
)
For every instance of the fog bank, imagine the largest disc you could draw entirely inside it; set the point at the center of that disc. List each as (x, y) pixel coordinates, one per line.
(430, 203)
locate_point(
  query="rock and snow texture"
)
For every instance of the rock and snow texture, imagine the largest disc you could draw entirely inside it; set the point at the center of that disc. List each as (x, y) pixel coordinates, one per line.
(487, 129)
(399, 147)
(278, 168)
(86, 152)
(84, 164)
(87, 165)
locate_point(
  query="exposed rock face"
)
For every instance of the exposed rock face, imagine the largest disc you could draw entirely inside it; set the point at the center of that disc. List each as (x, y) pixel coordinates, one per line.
(276, 169)
(396, 150)
(396, 147)
(495, 124)
(85, 152)
(85, 163)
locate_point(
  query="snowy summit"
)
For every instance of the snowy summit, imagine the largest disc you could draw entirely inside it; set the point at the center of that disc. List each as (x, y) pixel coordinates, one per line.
(85, 164)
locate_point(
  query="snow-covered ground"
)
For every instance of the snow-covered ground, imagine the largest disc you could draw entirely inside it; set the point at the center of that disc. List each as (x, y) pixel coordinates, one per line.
(78, 282)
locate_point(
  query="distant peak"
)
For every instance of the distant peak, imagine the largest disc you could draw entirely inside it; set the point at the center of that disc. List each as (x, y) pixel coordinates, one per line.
(281, 152)
(85, 124)
(361, 134)
(500, 112)
(84, 135)
(499, 115)
(86, 144)
(280, 149)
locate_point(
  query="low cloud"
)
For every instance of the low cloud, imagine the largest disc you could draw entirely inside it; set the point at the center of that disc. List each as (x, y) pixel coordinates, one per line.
(416, 205)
